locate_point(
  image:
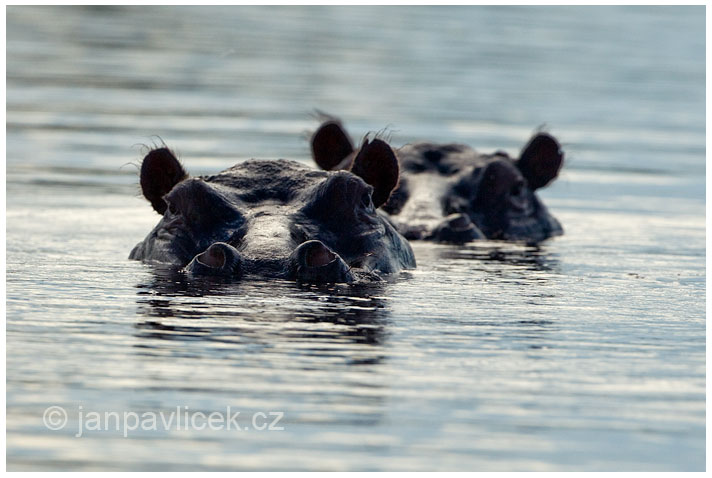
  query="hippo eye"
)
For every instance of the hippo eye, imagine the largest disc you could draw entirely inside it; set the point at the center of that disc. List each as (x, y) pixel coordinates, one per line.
(366, 200)
(516, 189)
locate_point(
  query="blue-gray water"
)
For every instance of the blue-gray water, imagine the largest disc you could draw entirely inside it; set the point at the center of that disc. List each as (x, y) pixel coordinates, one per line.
(586, 353)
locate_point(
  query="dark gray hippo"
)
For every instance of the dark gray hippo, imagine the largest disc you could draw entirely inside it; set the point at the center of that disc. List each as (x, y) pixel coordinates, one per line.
(276, 219)
(451, 193)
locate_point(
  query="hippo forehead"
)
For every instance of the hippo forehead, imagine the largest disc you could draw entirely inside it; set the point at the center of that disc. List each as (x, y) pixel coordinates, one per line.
(444, 159)
(496, 169)
(257, 181)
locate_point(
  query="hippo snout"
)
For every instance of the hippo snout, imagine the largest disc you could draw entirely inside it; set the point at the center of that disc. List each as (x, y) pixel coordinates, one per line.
(313, 261)
(219, 259)
(457, 228)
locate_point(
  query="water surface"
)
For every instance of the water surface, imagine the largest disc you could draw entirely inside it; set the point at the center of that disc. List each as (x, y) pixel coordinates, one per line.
(587, 352)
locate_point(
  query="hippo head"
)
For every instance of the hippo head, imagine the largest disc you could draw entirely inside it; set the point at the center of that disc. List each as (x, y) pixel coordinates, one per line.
(451, 193)
(496, 193)
(275, 219)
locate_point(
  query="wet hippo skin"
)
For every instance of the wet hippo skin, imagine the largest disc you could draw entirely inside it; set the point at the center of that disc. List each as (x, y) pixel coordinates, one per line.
(276, 218)
(452, 193)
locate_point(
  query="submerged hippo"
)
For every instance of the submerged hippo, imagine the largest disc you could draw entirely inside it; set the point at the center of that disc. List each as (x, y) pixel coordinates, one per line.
(451, 193)
(275, 219)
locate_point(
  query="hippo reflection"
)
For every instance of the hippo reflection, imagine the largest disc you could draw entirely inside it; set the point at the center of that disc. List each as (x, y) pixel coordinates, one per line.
(275, 219)
(451, 193)
(318, 313)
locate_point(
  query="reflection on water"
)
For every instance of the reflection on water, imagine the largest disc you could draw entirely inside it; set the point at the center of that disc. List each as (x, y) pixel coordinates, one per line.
(332, 314)
(524, 257)
(585, 352)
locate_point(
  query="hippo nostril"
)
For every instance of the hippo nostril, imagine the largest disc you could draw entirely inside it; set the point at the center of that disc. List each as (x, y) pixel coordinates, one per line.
(459, 222)
(457, 228)
(318, 255)
(314, 254)
(220, 259)
(214, 257)
(516, 189)
(313, 261)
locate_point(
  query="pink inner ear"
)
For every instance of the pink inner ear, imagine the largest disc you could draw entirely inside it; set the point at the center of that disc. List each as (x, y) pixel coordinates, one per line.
(214, 257)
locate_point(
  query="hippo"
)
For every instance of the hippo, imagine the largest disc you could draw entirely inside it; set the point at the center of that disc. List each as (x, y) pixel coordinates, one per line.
(275, 219)
(452, 193)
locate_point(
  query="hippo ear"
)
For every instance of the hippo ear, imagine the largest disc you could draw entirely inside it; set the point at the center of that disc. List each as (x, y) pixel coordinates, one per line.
(376, 163)
(160, 171)
(541, 160)
(330, 145)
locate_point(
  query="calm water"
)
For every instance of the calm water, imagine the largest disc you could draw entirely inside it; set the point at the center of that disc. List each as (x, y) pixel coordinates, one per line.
(585, 353)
